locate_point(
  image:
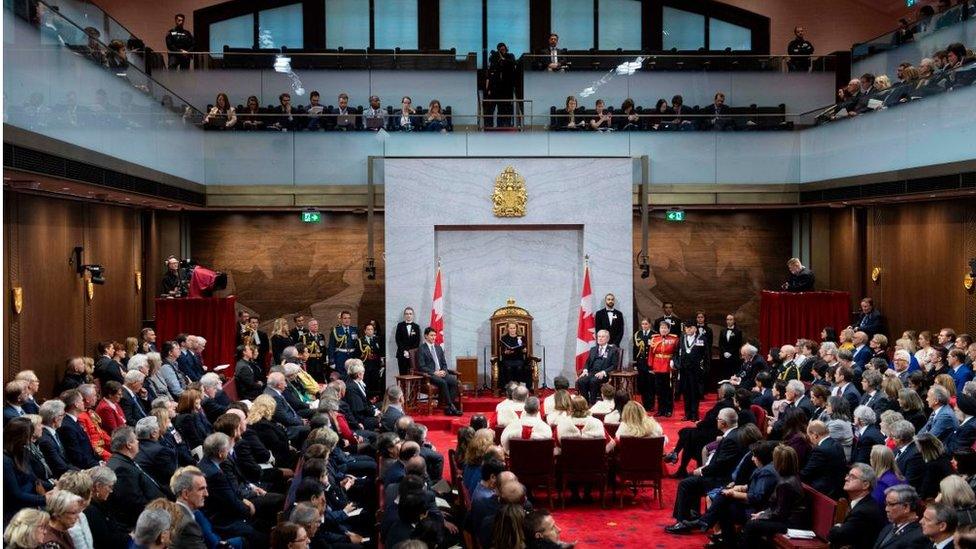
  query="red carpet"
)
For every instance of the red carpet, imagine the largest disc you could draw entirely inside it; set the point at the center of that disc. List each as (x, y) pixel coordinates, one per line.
(639, 524)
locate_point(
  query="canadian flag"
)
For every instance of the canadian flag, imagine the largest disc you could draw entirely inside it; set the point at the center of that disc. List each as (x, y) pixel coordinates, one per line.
(437, 311)
(585, 337)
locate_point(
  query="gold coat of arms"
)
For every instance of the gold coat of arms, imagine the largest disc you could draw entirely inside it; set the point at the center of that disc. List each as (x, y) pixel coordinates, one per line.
(509, 197)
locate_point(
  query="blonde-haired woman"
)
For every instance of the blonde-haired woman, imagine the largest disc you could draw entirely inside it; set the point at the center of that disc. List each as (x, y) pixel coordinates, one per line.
(280, 338)
(25, 529)
(580, 423)
(846, 340)
(560, 408)
(64, 508)
(473, 457)
(885, 468)
(634, 422)
(272, 435)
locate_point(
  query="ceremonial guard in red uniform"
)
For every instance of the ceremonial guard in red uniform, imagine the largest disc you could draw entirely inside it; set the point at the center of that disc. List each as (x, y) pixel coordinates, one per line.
(662, 348)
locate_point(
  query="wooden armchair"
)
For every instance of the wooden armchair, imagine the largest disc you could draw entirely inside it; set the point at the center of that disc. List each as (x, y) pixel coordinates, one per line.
(533, 463)
(428, 388)
(499, 327)
(583, 460)
(639, 463)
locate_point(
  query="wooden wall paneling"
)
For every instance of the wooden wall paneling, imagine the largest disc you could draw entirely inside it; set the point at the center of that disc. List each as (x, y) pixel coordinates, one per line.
(11, 279)
(820, 228)
(715, 261)
(114, 241)
(41, 233)
(279, 266)
(841, 245)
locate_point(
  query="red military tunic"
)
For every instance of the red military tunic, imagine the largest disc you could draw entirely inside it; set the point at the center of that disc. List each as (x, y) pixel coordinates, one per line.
(662, 348)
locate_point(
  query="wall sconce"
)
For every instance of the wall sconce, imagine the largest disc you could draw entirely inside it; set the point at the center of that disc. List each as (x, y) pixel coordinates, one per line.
(17, 298)
(138, 281)
(370, 268)
(969, 280)
(875, 274)
(89, 289)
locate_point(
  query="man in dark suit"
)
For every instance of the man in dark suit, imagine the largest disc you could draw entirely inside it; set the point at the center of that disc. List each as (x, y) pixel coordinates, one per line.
(407, 337)
(862, 352)
(14, 395)
(942, 422)
(551, 57)
(362, 410)
(801, 278)
(690, 363)
(870, 322)
(751, 365)
(826, 465)
(394, 409)
(865, 518)
(230, 513)
(134, 487)
(156, 459)
(433, 459)
(873, 397)
(398, 469)
(691, 440)
(77, 445)
(249, 384)
(718, 472)
(718, 115)
(261, 341)
(134, 405)
(672, 319)
(938, 524)
(844, 387)
(50, 444)
(963, 436)
(729, 344)
(187, 361)
(190, 488)
(106, 369)
(866, 434)
(599, 363)
(433, 364)
(907, 456)
(763, 393)
(903, 530)
(284, 414)
(611, 320)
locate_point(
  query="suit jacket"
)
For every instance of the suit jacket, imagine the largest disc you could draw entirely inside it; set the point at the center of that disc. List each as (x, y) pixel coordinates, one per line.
(179, 448)
(765, 400)
(425, 361)
(861, 452)
(359, 405)
(911, 465)
(216, 406)
(801, 281)
(862, 356)
(283, 414)
(157, 460)
(542, 62)
(960, 376)
(389, 418)
(187, 363)
(748, 370)
(134, 488)
(247, 381)
(403, 341)
(435, 462)
(963, 436)
(77, 445)
(941, 424)
(870, 323)
(852, 395)
(615, 325)
(9, 412)
(134, 408)
(910, 537)
(107, 370)
(292, 397)
(394, 473)
(727, 455)
(825, 468)
(861, 526)
(594, 363)
(54, 453)
(193, 427)
(187, 534)
(728, 344)
(879, 403)
(224, 505)
(105, 529)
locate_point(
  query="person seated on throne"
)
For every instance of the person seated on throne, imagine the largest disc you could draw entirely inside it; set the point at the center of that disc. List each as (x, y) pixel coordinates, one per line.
(514, 363)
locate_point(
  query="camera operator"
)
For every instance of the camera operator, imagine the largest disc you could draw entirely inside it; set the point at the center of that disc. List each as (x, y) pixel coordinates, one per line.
(173, 280)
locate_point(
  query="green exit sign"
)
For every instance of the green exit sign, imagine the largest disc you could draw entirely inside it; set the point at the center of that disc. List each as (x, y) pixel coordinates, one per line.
(311, 217)
(675, 215)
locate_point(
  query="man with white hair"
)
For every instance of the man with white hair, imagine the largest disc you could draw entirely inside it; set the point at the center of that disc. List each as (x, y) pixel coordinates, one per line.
(867, 434)
(134, 487)
(215, 401)
(231, 514)
(901, 361)
(292, 394)
(156, 459)
(943, 420)
(715, 473)
(511, 413)
(528, 426)
(601, 360)
(284, 414)
(52, 414)
(134, 404)
(795, 398)
(357, 397)
(752, 364)
(908, 458)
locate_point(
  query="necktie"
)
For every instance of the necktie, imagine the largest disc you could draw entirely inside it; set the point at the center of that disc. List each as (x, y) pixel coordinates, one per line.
(433, 353)
(57, 440)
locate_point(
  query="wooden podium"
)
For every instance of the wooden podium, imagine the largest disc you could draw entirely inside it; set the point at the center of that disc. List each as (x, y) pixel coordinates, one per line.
(467, 369)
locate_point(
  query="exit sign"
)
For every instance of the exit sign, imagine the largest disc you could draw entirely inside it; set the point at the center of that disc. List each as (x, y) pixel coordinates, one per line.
(311, 217)
(675, 215)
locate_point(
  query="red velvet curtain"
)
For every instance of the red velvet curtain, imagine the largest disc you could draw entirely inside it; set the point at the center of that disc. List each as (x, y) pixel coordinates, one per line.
(214, 318)
(785, 317)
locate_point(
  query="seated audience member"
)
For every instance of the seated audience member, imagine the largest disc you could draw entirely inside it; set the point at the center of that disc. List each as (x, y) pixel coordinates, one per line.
(752, 364)
(134, 403)
(77, 446)
(286, 117)
(680, 115)
(392, 408)
(936, 464)
(901, 509)
(247, 379)
(106, 368)
(717, 472)
(867, 434)
(55, 454)
(134, 488)
(942, 422)
(484, 498)
(98, 438)
(190, 419)
(215, 401)
(395, 472)
(787, 506)
(294, 393)
(435, 120)
(287, 535)
(691, 440)
(64, 509)
(32, 384)
(417, 433)
(109, 408)
(838, 419)
(939, 523)
(154, 458)
(718, 115)
(873, 396)
(628, 119)
(26, 527)
(541, 531)
(230, 513)
(580, 424)
(963, 436)
(657, 120)
(635, 422)
(106, 530)
(529, 426)
(824, 470)
(866, 517)
(558, 383)
(844, 387)
(374, 116)
(284, 414)
(362, 410)
(221, 116)
(74, 375)
(763, 393)
(606, 404)
(514, 408)
(405, 119)
(743, 405)
(170, 437)
(20, 483)
(345, 118)
(474, 456)
(387, 451)
(565, 118)
(251, 117)
(78, 483)
(602, 119)
(15, 395)
(886, 471)
(908, 459)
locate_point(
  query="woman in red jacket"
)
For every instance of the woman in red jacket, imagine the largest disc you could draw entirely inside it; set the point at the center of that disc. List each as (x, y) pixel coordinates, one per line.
(108, 408)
